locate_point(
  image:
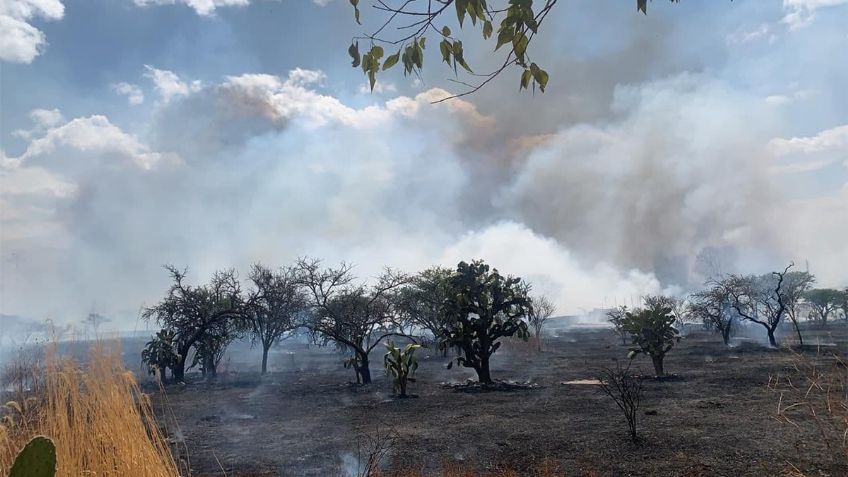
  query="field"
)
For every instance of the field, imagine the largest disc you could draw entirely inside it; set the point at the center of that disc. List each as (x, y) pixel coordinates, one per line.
(716, 416)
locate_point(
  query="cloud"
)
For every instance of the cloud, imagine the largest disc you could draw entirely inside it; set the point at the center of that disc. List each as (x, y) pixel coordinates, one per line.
(201, 7)
(829, 140)
(266, 167)
(742, 36)
(133, 93)
(169, 85)
(42, 119)
(20, 42)
(94, 137)
(801, 13)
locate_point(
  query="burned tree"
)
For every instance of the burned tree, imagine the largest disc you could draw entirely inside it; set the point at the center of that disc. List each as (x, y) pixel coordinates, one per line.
(759, 299)
(352, 315)
(482, 307)
(540, 312)
(712, 307)
(824, 302)
(278, 303)
(195, 313)
(652, 330)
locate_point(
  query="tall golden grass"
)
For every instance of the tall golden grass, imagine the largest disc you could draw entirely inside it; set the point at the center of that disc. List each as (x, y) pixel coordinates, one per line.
(98, 417)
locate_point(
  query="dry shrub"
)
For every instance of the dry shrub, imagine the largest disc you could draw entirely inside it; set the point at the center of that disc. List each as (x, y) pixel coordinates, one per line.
(814, 396)
(98, 418)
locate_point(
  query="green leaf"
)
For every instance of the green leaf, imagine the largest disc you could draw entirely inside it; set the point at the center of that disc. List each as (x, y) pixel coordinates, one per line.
(391, 61)
(519, 45)
(487, 29)
(445, 48)
(421, 42)
(372, 79)
(353, 51)
(461, 7)
(642, 6)
(354, 2)
(446, 31)
(377, 52)
(525, 79)
(505, 36)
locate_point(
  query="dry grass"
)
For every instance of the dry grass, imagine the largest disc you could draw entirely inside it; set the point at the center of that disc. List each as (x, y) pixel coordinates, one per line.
(97, 416)
(814, 396)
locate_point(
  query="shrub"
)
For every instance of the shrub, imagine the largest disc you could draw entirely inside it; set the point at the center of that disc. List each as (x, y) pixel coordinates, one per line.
(401, 365)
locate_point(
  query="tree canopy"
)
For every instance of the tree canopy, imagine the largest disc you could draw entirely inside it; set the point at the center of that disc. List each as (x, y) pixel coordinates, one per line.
(404, 27)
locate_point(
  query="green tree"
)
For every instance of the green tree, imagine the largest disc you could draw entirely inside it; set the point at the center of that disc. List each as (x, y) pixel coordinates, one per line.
(509, 25)
(824, 301)
(421, 301)
(482, 307)
(652, 330)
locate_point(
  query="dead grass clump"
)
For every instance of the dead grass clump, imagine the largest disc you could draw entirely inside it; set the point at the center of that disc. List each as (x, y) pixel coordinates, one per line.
(98, 418)
(813, 396)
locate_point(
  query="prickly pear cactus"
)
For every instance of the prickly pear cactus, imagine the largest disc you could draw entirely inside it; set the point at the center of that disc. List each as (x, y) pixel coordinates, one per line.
(37, 459)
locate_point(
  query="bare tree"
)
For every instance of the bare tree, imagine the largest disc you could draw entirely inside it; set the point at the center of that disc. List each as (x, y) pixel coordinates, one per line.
(278, 302)
(542, 308)
(355, 316)
(616, 318)
(796, 285)
(759, 299)
(712, 307)
(193, 312)
(94, 321)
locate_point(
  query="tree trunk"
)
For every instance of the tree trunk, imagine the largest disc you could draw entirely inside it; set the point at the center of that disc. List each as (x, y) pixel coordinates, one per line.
(364, 370)
(798, 332)
(725, 335)
(658, 365)
(178, 371)
(772, 341)
(483, 374)
(265, 359)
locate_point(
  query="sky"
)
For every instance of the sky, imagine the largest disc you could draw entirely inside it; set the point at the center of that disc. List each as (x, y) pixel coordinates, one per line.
(703, 138)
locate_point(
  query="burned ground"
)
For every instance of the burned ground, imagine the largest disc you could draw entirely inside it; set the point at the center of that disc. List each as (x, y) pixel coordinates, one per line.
(716, 417)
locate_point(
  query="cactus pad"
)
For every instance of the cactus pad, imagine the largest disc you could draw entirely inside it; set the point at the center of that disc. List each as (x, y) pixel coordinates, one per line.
(37, 459)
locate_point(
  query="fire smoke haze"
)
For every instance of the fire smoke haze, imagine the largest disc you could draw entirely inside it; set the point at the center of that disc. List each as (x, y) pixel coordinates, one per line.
(706, 137)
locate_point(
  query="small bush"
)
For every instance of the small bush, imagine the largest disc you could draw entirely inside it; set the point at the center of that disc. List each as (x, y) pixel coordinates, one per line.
(626, 390)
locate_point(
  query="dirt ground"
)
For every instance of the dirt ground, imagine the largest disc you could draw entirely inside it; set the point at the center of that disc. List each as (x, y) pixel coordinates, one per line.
(716, 418)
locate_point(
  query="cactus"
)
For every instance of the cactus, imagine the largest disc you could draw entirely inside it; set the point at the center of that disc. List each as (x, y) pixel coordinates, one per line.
(36, 459)
(401, 365)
